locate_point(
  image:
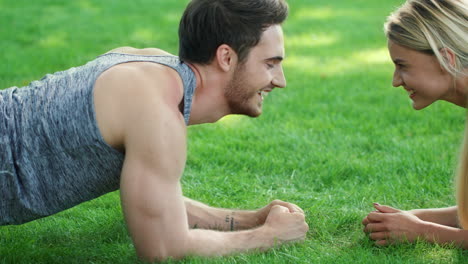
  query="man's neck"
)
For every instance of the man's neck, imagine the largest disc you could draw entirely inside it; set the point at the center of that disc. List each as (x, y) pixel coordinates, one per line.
(209, 104)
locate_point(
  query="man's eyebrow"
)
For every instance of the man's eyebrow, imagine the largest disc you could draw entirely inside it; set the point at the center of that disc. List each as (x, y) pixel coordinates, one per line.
(398, 61)
(276, 58)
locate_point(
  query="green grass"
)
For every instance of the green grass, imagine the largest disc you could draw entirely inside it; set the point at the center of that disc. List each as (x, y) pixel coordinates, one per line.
(338, 138)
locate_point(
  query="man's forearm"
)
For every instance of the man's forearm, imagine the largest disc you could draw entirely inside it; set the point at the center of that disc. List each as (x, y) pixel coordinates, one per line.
(203, 216)
(216, 243)
(280, 226)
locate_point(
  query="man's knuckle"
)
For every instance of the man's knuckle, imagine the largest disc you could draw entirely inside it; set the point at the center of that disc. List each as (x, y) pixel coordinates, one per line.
(276, 206)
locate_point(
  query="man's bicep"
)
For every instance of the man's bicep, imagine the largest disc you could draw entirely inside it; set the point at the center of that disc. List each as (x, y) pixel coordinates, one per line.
(155, 135)
(151, 194)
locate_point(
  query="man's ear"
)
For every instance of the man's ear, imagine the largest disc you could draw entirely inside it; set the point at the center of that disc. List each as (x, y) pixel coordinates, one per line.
(226, 57)
(449, 56)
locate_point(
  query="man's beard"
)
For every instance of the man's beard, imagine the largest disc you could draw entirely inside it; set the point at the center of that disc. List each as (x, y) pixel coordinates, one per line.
(238, 94)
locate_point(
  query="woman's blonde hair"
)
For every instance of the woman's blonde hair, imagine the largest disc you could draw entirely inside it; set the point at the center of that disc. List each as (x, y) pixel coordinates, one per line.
(430, 26)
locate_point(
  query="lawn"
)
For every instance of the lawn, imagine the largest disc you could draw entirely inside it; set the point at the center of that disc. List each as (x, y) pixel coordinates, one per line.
(338, 138)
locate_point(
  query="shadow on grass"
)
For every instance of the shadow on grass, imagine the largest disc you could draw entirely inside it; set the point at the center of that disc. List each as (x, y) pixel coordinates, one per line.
(79, 235)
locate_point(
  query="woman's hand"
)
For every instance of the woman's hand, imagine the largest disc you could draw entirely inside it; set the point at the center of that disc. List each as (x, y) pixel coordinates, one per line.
(387, 225)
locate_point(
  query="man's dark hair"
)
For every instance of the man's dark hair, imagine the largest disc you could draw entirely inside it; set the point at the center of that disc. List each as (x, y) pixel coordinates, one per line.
(207, 24)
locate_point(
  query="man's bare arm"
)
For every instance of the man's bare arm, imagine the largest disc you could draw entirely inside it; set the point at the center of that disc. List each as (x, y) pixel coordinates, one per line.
(203, 216)
(152, 200)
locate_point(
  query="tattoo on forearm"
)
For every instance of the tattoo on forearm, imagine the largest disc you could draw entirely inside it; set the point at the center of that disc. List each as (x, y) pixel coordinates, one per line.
(230, 220)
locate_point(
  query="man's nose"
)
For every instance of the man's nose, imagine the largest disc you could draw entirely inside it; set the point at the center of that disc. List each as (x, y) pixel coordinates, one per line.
(279, 80)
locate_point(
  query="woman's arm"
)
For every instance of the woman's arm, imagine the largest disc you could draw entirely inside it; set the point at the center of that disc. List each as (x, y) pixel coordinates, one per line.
(441, 234)
(444, 216)
(389, 225)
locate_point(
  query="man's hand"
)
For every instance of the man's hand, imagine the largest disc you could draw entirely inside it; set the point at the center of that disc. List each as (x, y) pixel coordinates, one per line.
(284, 225)
(388, 225)
(263, 213)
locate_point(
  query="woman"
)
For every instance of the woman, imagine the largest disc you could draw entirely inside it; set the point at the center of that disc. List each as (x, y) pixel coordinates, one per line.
(428, 43)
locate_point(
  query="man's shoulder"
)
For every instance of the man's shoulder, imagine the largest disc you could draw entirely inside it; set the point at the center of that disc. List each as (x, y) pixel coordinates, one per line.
(143, 78)
(144, 51)
(134, 91)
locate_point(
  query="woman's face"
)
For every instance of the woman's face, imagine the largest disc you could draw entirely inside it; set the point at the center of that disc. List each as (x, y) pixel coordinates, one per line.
(421, 75)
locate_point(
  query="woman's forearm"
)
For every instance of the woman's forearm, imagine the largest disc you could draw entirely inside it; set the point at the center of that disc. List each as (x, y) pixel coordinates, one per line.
(444, 216)
(442, 234)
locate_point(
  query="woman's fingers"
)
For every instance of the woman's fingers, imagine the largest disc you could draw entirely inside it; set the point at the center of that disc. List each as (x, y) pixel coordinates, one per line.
(375, 227)
(382, 242)
(385, 208)
(379, 235)
(365, 221)
(376, 217)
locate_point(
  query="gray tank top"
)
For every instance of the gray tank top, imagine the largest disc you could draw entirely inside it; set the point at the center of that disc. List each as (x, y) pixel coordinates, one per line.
(52, 155)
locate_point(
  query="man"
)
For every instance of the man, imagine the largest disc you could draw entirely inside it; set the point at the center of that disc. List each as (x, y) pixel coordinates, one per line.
(120, 121)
